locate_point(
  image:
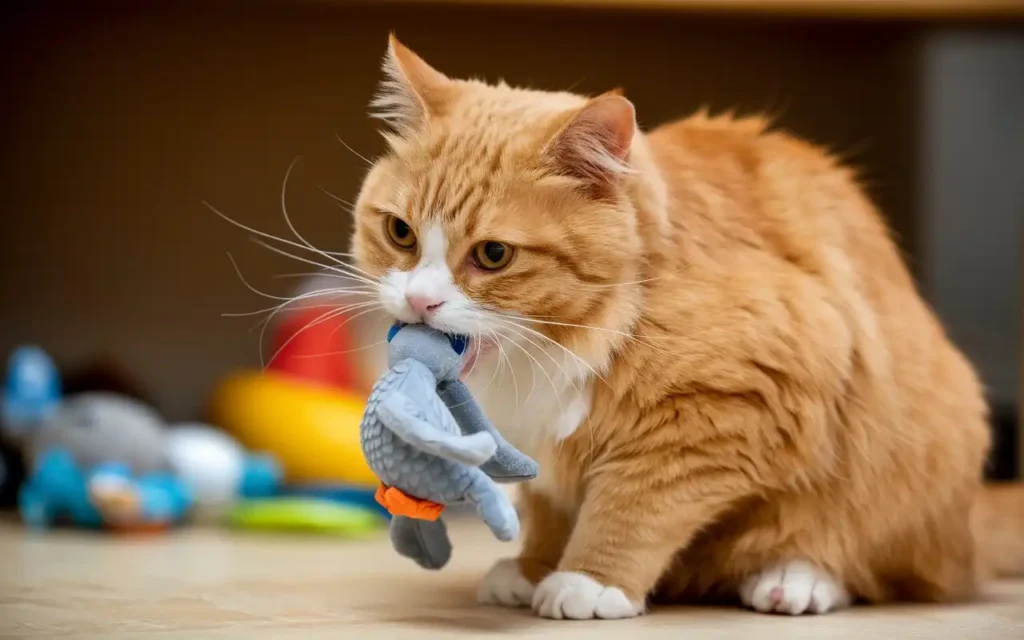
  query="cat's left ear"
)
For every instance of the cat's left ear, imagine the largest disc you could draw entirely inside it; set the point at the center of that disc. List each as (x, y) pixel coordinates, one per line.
(594, 145)
(411, 92)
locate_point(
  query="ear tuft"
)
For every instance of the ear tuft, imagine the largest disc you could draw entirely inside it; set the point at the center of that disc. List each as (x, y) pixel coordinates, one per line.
(411, 90)
(594, 146)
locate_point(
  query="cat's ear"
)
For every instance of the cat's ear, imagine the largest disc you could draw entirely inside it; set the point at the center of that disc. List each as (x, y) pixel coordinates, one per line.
(411, 91)
(594, 145)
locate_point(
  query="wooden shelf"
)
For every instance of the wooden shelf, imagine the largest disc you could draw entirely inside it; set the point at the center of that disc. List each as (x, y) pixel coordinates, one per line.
(882, 9)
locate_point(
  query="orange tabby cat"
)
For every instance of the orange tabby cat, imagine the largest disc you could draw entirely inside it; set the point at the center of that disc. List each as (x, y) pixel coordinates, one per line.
(704, 335)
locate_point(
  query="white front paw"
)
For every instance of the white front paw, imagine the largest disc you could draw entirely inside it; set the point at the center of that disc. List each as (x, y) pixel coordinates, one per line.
(794, 587)
(505, 585)
(566, 594)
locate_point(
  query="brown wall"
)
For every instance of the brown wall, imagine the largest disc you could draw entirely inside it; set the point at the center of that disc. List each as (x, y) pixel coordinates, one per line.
(119, 122)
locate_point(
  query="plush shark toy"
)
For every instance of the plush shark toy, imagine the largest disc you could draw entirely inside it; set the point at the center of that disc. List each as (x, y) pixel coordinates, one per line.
(431, 446)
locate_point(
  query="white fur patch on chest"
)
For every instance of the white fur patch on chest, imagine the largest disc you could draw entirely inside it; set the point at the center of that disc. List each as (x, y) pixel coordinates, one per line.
(533, 406)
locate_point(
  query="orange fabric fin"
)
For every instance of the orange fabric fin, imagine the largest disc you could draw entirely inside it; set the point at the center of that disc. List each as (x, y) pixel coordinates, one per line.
(399, 503)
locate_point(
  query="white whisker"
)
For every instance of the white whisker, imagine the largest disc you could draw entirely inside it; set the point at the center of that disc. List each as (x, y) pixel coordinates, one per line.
(565, 349)
(276, 310)
(647, 341)
(299, 298)
(554, 387)
(273, 314)
(342, 353)
(494, 374)
(333, 268)
(369, 162)
(295, 231)
(616, 284)
(343, 203)
(504, 356)
(559, 367)
(325, 317)
(248, 286)
(533, 371)
(354, 152)
(590, 427)
(320, 274)
(263, 234)
(472, 367)
(563, 324)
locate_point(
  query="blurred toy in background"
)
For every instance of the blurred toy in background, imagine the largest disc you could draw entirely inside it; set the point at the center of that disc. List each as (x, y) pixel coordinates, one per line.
(305, 515)
(12, 474)
(316, 350)
(103, 373)
(34, 390)
(218, 470)
(31, 390)
(305, 408)
(355, 495)
(104, 460)
(303, 411)
(99, 460)
(312, 430)
(353, 343)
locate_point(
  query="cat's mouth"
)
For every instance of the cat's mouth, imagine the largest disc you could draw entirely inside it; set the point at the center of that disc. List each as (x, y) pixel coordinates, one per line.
(476, 350)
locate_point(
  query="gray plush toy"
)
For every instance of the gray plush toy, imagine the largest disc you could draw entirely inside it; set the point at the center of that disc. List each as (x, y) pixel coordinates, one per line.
(431, 446)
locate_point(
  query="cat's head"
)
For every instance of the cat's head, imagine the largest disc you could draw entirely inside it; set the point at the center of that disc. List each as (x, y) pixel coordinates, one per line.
(500, 211)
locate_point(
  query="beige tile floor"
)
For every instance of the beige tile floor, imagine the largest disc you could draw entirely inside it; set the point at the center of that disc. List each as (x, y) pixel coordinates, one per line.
(204, 583)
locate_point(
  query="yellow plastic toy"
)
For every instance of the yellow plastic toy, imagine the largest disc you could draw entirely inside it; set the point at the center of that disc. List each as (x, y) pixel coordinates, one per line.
(313, 431)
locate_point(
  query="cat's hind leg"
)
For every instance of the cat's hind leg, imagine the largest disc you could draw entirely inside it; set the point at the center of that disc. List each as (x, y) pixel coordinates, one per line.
(794, 587)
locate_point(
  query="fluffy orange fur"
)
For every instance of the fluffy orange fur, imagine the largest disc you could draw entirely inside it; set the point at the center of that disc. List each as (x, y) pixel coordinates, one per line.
(762, 379)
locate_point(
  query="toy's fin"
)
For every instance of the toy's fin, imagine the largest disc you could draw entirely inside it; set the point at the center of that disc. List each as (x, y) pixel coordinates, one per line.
(508, 463)
(425, 541)
(401, 415)
(494, 508)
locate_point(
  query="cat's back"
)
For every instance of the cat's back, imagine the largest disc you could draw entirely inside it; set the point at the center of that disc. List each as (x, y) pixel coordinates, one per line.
(773, 252)
(735, 180)
(779, 272)
(756, 209)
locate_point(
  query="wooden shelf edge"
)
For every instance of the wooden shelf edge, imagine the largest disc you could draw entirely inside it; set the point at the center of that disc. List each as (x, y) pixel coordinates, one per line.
(878, 9)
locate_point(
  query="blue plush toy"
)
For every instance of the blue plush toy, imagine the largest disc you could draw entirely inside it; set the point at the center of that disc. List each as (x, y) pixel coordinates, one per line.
(431, 446)
(31, 390)
(107, 495)
(102, 460)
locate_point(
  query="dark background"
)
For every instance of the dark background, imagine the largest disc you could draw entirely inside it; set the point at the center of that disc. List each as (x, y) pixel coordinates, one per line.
(120, 119)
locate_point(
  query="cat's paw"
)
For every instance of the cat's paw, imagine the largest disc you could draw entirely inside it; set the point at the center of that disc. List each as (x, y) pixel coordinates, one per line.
(794, 587)
(566, 594)
(505, 585)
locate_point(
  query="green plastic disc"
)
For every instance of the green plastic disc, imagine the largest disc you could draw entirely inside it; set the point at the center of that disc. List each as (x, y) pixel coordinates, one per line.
(304, 515)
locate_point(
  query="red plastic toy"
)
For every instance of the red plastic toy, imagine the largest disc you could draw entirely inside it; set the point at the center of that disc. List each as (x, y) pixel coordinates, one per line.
(314, 350)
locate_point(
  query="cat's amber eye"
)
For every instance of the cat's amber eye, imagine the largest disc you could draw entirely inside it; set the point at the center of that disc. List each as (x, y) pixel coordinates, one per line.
(400, 233)
(492, 255)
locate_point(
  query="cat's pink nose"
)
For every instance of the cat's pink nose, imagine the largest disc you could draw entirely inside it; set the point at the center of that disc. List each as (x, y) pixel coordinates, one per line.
(423, 305)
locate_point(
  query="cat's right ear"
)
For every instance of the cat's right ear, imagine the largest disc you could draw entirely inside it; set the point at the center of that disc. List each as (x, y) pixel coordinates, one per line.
(411, 92)
(593, 146)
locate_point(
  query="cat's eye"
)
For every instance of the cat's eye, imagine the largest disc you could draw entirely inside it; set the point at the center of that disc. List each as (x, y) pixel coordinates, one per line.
(492, 255)
(400, 233)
